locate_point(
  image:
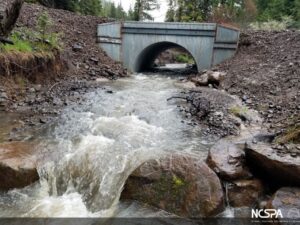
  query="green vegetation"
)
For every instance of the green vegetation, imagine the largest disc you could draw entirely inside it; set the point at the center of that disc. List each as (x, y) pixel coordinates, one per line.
(142, 9)
(19, 44)
(292, 133)
(277, 14)
(285, 23)
(214, 10)
(87, 7)
(178, 182)
(261, 14)
(236, 110)
(38, 40)
(109, 9)
(184, 58)
(169, 188)
(105, 8)
(278, 9)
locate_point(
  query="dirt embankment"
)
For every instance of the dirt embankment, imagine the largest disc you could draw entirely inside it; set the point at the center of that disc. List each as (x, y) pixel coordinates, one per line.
(79, 33)
(265, 74)
(81, 55)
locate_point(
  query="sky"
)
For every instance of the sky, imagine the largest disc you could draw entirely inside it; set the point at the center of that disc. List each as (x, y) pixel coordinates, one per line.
(159, 15)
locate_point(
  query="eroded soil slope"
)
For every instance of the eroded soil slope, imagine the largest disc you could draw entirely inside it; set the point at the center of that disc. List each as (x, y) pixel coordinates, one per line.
(79, 33)
(265, 73)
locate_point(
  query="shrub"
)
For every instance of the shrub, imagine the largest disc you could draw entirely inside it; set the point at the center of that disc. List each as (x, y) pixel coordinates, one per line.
(43, 25)
(285, 23)
(291, 133)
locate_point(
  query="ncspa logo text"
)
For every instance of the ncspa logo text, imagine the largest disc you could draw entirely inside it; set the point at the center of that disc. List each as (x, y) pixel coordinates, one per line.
(266, 213)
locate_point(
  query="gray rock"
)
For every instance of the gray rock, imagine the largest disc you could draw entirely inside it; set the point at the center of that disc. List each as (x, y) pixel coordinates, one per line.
(77, 48)
(31, 90)
(3, 95)
(287, 200)
(38, 87)
(244, 98)
(228, 161)
(264, 137)
(95, 60)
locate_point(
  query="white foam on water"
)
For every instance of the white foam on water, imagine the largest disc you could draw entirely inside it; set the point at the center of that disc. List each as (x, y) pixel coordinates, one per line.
(96, 146)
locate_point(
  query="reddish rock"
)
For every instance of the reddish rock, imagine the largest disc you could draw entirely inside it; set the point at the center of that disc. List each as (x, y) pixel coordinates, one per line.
(280, 169)
(180, 184)
(228, 161)
(287, 199)
(17, 167)
(244, 192)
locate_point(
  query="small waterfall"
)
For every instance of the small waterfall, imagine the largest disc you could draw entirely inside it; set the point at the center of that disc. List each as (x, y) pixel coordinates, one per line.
(229, 211)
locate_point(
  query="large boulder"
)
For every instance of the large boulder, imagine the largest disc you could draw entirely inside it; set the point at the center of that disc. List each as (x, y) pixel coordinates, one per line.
(228, 161)
(287, 200)
(9, 13)
(180, 184)
(280, 169)
(17, 166)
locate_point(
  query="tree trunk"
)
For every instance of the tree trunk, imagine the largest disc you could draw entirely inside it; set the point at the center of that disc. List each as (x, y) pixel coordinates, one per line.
(9, 13)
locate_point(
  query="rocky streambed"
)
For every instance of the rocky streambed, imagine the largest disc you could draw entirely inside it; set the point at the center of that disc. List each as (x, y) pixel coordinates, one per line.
(84, 145)
(142, 139)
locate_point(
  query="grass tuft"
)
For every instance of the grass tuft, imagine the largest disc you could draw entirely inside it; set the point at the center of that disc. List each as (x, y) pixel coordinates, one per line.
(292, 135)
(238, 110)
(19, 45)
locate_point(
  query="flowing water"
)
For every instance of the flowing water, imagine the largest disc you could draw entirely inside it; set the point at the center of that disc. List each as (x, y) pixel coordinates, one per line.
(86, 157)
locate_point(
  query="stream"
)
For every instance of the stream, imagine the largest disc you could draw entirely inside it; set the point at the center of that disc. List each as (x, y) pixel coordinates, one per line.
(86, 156)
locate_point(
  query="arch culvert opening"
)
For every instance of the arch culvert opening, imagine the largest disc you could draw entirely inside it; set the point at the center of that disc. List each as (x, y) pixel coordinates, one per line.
(166, 57)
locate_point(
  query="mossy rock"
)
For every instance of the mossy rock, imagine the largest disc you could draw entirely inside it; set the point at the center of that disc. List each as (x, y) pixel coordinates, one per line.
(179, 184)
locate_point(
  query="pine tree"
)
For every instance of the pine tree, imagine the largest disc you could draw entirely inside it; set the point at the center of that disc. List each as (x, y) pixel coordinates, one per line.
(203, 10)
(120, 13)
(170, 16)
(277, 9)
(113, 10)
(130, 14)
(89, 7)
(142, 9)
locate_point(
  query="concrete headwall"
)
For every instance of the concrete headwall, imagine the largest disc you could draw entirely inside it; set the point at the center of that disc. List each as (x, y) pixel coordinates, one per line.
(137, 44)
